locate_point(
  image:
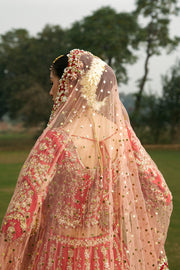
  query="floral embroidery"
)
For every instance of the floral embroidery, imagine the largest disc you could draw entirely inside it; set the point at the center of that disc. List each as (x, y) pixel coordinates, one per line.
(32, 185)
(74, 69)
(74, 253)
(73, 210)
(149, 175)
(163, 264)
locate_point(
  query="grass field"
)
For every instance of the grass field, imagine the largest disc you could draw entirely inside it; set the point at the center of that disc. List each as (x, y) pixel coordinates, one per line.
(168, 162)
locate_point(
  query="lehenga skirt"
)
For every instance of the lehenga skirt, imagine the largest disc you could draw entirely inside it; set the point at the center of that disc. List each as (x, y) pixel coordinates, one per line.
(69, 253)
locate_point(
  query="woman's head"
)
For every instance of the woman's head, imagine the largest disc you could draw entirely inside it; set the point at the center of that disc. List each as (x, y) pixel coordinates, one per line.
(56, 72)
(86, 82)
(58, 65)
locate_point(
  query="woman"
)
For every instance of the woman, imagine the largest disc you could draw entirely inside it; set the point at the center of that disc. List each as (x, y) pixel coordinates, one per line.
(88, 196)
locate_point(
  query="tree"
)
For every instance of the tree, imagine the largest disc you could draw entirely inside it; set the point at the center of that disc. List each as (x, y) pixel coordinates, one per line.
(3, 92)
(24, 67)
(109, 35)
(36, 107)
(12, 63)
(152, 119)
(50, 43)
(171, 98)
(154, 35)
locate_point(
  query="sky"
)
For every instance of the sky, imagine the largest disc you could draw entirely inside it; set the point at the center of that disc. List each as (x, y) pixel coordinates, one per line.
(33, 15)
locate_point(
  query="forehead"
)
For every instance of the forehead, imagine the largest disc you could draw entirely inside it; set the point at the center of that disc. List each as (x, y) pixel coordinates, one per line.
(52, 75)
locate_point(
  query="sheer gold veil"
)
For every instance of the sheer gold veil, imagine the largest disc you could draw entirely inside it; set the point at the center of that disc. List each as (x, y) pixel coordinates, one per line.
(137, 198)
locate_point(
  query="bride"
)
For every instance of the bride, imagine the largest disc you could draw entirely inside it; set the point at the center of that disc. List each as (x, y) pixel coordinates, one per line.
(88, 196)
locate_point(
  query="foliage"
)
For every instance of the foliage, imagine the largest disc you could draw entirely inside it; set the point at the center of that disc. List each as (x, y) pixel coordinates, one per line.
(171, 99)
(154, 35)
(109, 35)
(11, 47)
(158, 120)
(25, 60)
(151, 122)
(114, 37)
(25, 72)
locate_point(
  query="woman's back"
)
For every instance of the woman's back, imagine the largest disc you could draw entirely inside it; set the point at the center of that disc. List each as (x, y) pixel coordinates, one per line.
(91, 133)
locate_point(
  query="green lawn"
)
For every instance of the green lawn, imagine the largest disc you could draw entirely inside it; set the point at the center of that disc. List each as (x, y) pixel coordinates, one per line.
(10, 165)
(168, 162)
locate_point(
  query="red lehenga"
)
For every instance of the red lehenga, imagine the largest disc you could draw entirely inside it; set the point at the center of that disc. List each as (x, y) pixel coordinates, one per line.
(88, 196)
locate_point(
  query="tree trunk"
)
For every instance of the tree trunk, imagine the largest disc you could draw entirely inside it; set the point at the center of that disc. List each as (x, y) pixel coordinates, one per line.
(143, 80)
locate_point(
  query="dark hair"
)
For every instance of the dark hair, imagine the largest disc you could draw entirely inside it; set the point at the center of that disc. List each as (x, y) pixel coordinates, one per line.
(59, 65)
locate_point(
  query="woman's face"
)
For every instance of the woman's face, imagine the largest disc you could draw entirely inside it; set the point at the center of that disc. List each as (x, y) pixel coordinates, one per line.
(55, 84)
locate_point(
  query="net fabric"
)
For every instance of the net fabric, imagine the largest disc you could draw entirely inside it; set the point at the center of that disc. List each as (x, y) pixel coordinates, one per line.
(88, 196)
